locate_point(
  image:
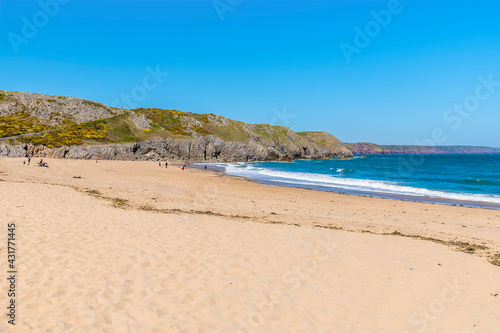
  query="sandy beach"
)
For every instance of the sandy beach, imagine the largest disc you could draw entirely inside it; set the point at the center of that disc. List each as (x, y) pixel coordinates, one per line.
(133, 247)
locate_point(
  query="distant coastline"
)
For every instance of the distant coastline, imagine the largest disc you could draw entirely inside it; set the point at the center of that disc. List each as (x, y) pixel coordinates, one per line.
(366, 148)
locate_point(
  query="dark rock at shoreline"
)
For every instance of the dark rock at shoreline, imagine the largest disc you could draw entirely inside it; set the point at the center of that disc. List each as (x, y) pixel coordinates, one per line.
(201, 149)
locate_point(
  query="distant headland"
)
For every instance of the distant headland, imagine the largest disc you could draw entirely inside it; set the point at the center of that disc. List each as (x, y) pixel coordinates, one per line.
(365, 148)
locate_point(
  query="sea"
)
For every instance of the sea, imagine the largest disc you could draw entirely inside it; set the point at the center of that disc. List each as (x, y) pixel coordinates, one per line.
(467, 180)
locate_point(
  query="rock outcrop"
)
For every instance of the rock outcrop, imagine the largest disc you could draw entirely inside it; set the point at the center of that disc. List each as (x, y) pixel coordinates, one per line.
(201, 149)
(53, 110)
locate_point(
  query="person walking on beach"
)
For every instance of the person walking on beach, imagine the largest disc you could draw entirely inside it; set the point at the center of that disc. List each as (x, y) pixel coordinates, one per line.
(29, 160)
(166, 165)
(159, 163)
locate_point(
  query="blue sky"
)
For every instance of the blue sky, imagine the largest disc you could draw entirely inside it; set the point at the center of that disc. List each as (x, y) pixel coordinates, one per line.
(310, 65)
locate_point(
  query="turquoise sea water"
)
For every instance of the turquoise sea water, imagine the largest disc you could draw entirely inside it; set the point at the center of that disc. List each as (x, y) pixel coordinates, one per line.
(460, 178)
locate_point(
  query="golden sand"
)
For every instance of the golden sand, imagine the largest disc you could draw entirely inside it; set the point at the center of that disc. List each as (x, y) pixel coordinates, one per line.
(132, 247)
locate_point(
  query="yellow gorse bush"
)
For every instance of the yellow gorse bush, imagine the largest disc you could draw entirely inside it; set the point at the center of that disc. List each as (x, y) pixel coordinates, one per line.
(20, 123)
(67, 137)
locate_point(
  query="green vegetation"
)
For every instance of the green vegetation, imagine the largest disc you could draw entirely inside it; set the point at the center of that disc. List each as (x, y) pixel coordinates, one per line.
(170, 120)
(4, 95)
(274, 134)
(322, 139)
(166, 119)
(307, 133)
(59, 128)
(321, 142)
(233, 132)
(20, 123)
(120, 130)
(200, 130)
(110, 130)
(74, 135)
(95, 104)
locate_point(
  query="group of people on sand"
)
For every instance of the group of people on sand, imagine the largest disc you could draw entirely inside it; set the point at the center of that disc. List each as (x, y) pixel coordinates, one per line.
(183, 167)
(45, 165)
(40, 164)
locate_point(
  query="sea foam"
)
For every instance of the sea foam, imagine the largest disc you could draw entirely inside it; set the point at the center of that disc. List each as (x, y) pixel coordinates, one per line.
(364, 185)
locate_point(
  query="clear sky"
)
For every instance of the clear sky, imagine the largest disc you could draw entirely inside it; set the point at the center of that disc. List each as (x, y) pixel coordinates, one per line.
(387, 72)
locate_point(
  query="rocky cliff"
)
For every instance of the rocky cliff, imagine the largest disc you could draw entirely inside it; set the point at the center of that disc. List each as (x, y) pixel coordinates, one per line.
(68, 127)
(365, 148)
(203, 149)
